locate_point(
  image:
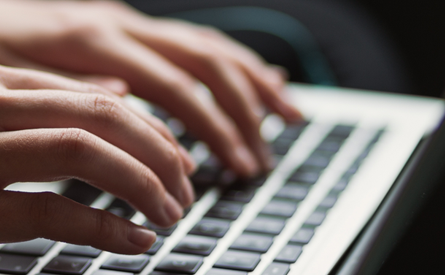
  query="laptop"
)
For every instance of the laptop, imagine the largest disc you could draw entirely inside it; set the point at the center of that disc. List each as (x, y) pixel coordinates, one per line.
(345, 182)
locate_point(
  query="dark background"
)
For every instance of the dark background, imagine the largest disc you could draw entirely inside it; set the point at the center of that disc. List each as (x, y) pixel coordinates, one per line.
(418, 31)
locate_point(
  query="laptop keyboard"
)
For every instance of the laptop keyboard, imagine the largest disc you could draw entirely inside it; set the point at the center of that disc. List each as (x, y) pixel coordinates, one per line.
(229, 229)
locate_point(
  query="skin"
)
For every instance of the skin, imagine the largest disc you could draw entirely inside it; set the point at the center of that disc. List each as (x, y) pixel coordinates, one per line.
(55, 127)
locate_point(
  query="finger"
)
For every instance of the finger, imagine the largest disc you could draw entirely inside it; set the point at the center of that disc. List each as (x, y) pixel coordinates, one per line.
(154, 78)
(111, 83)
(105, 118)
(54, 154)
(14, 78)
(269, 80)
(231, 88)
(25, 216)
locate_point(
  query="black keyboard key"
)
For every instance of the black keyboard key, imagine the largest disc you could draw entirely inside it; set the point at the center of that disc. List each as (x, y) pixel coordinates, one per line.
(219, 271)
(309, 177)
(257, 181)
(187, 140)
(67, 265)
(110, 272)
(330, 144)
(179, 263)
(121, 209)
(266, 225)
(238, 260)
(164, 273)
(341, 131)
(36, 247)
(289, 254)
(341, 184)
(318, 159)
(225, 210)
(205, 177)
(316, 218)
(292, 131)
(278, 208)
(252, 242)
(126, 263)
(280, 148)
(328, 201)
(292, 191)
(16, 264)
(277, 269)
(211, 227)
(303, 236)
(161, 230)
(196, 245)
(155, 246)
(81, 192)
(239, 193)
(81, 250)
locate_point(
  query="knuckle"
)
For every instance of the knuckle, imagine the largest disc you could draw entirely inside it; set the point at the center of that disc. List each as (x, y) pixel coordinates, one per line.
(74, 144)
(209, 58)
(105, 110)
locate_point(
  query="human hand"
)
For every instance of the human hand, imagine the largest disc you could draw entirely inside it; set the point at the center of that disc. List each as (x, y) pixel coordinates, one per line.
(52, 128)
(161, 60)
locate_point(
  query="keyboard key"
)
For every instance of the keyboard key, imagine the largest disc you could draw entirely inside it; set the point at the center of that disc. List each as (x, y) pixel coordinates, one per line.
(164, 273)
(156, 246)
(161, 230)
(36, 247)
(211, 227)
(110, 272)
(239, 194)
(121, 209)
(292, 131)
(225, 210)
(81, 250)
(238, 260)
(67, 265)
(303, 236)
(292, 191)
(341, 184)
(205, 177)
(277, 269)
(309, 177)
(126, 263)
(252, 242)
(179, 263)
(328, 201)
(341, 131)
(81, 192)
(279, 208)
(330, 144)
(266, 225)
(289, 254)
(257, 181)
(219, 271)
(196, 245)
(16, 264)
(316, 218)
(318, 159)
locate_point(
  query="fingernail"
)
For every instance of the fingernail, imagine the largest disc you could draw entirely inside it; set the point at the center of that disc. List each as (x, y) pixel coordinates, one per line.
(141, 236)
(172, 209)
(290, 112)
(281, 71)
(190, 164)
(247, 160)
(188, 194)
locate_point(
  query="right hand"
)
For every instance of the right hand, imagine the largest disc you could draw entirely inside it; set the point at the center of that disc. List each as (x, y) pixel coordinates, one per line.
(53, 128)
